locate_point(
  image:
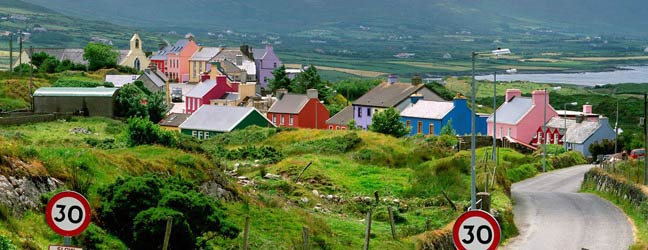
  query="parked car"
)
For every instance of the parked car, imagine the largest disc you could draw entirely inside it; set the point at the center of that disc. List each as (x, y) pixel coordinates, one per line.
(637, 153)
(176, 95)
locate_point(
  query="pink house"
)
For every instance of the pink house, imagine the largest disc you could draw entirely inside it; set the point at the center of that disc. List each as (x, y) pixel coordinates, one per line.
(206, 91)
(519, 117)
(178, 55)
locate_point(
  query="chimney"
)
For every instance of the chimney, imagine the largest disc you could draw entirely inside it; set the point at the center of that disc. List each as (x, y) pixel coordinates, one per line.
(281, 93)
(239, 60)
(204, 76)
(391, 79)
(538, 97)
(587, 109)
(510, 93)
(312, 93)
(152, 67)
(460, 101)
(603, 120)
(245, 49)
(580, 118)
(414, 98)
(416, 80)
(220, 80)
(235, 86)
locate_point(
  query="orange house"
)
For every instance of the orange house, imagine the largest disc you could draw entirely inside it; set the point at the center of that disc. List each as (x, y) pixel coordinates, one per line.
(178, 59)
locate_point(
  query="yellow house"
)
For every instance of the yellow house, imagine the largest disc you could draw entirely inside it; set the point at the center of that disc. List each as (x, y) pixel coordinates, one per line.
(136, 58)
(199, 62)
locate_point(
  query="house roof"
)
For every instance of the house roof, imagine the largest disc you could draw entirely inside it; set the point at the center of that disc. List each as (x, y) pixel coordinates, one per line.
(230, 96)
(559, 122)
(205, 53)
(174, 119)
(68, 91)
(74, 55)
(428, 109)
(342, 118)
(289, 104)
(202, 88)
(230, 53)
(258, 53)
(121, 80)
(387, 95)
(217, 118)
(512, 111)
(156, 77)
(579, 132)
(171, 49)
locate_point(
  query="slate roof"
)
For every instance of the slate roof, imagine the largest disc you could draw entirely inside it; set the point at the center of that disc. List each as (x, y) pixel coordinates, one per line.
(69, 91)
(156, 77)
(74, 55)
(289, 104)
(121, 80)
(176, 48)
(174, 119)
(387, 95)
(579, 132)
(258, 53)
(217, 118)
(559, 122)
(511, 112)
(202, 88)
(230, 96)
(428, 109)
(342, 118)
(205, 53)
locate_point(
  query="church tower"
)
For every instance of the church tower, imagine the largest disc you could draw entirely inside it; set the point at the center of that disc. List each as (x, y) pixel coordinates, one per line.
(136, 57)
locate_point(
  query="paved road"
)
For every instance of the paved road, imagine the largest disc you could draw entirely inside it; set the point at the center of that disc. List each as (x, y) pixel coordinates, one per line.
(551, 214)
(179, 107)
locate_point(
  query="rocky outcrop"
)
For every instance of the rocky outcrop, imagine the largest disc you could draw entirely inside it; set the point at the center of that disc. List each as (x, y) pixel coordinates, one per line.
(23, 193)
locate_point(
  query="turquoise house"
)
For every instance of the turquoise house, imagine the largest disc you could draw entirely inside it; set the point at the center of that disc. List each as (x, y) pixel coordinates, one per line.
(429, 117)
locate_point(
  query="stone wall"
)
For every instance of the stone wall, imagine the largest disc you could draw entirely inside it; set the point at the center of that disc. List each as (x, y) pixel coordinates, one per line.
(601, 181)
(23, 118)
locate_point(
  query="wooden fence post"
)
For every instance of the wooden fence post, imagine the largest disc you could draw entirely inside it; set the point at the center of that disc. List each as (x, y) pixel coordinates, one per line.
(305, 236)
(367, 231)
(246, 232)
(391, 222)
(167, 233)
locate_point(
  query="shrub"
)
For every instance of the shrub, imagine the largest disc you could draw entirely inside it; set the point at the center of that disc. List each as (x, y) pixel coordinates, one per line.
(96, 238)
(142, 131)
(334, 145)
(6, 244)
(388, 122)
(522, 172)
(249, 135)
(73, 82)
(265, 154)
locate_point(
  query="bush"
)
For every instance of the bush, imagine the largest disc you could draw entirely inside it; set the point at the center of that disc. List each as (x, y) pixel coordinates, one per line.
(334, 145)
(96, 238)
(73, 82)
(265, 154)
(388, 122)
(522, 172)
(135, 209)
(249, 135)
(6, 244)
(142, 131)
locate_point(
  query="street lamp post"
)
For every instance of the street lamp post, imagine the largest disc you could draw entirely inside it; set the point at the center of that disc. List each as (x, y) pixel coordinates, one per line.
(474, 54)
(565, 119)
(544, 131)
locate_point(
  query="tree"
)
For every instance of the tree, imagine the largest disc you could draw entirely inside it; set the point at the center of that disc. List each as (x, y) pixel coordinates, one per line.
(280, 80)
(49, 65)
(100, 56)
(156, 106)
(448, 129)
(310, 79)
(39, 57)
(388, 122)
(129, 102)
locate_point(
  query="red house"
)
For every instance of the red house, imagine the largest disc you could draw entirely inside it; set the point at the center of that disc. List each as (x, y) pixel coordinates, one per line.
(206, 91)
(300, 111)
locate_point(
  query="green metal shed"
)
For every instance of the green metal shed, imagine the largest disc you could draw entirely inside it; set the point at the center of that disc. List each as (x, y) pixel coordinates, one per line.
(84, 101)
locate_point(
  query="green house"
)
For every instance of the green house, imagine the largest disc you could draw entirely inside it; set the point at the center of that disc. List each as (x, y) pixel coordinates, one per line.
(209, 120)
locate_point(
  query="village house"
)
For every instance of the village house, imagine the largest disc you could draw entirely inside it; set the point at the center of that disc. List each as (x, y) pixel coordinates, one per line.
(199, 62)
(235, 62)
(174, 60)
(583, 133)
(340, 120)
(519, 117)
(173, 121)
(390, 94)
(210, 120)
(136, 58)
(556, 127)
(207, 90)
(153, 79)
(429, 117)
(266, 62)
(298, 110)
(80, 101)
(119, 81)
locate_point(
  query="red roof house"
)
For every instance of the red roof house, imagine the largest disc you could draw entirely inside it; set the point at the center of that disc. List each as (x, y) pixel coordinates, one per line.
(206, 91)
(300, 111)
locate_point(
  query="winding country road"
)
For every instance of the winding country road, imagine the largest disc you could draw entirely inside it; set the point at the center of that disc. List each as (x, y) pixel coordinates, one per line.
(551, 214)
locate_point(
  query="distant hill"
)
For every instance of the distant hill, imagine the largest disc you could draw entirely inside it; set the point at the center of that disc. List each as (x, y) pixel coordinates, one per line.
(625, 17)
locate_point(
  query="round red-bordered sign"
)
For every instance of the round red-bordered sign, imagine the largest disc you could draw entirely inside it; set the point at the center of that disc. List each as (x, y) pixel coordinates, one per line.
(68, 213)
(476, 230)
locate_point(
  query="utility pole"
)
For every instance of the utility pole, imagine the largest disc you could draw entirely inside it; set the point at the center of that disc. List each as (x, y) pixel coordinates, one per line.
(10, 55)
(645, 138)
(616, 129)
(20, 40)
(31, 80)
(544, 130)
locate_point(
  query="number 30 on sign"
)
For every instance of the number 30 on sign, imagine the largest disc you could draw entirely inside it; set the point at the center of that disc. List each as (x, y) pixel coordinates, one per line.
(68, 213)
(476, 230)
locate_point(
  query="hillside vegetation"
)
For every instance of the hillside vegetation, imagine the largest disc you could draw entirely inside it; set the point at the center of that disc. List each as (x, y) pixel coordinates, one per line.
(278, 193)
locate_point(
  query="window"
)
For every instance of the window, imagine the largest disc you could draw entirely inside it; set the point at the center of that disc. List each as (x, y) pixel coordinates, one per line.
(419, 127)
(330, 127)
(200, 134)
(193, 134)
(274, 65)
(137, 43)
(274, 119)
(337, 127)
(343, 128)
(368, 112)
(556, 138)
(290, 121)
(431, 129)
(359, 112)
(206, 135)
(282, 120)
(509, 131)
(408, 125)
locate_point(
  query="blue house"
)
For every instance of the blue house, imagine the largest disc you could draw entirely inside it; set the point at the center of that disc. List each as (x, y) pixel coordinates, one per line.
(581, 134)
(428, 117)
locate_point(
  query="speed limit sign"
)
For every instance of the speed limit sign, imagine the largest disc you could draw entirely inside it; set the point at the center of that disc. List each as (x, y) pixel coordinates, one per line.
(68, 213)
(476, 230)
